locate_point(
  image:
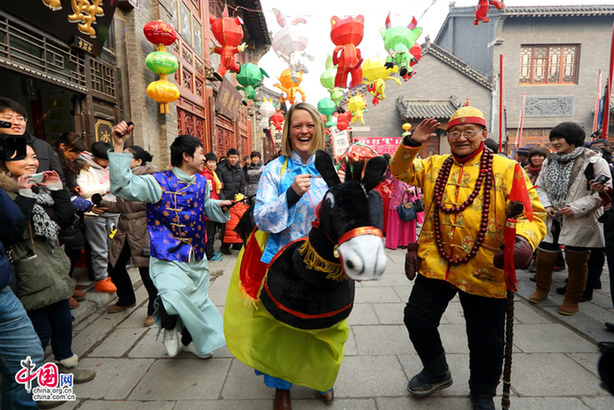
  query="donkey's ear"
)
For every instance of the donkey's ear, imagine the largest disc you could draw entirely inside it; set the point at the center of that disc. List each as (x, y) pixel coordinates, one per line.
(324, 164)
(374, 172)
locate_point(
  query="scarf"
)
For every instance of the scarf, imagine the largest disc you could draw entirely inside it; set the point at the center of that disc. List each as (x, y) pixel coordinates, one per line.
(558, 176)
(466, 158)
(43, 225)
(532, 170)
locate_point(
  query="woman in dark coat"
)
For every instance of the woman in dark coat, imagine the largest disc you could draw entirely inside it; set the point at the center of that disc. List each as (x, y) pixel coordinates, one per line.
(131, 240)
(41, 265)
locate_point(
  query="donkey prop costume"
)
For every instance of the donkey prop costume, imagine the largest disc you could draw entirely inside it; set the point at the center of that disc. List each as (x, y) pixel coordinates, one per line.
(291, 325)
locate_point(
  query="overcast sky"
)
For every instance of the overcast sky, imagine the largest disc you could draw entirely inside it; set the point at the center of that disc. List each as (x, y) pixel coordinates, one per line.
(317, 13)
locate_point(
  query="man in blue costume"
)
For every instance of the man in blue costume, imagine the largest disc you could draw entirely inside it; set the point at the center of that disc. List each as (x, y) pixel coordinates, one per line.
(177, 202)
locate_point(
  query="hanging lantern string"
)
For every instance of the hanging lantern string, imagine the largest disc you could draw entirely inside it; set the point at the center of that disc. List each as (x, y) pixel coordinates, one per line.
(236, 10)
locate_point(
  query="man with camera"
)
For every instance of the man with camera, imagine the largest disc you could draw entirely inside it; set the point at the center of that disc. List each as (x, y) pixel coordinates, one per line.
(12, 112)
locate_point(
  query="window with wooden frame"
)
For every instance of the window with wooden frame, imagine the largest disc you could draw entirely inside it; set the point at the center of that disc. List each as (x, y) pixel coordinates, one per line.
(549, 64)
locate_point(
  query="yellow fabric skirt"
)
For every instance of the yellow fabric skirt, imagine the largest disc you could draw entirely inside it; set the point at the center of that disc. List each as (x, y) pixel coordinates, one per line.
(305, 357)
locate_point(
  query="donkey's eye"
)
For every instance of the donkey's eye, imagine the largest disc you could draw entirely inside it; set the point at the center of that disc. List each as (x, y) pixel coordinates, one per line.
(330, 198)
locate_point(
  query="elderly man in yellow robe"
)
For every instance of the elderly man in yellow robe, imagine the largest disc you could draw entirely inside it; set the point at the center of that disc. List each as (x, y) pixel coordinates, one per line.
(460, 249)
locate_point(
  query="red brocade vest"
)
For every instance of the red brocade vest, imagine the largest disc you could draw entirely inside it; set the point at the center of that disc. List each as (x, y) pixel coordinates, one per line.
(176, 222)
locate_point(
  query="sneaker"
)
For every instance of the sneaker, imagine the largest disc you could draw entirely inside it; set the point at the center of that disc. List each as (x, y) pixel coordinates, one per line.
(105, 286)
(192, 349)
(148, 321)
(558, 268)
(421, 384)
(226, 251)
(217, 253)
(79, 375)
(216, 259)
(171, 341)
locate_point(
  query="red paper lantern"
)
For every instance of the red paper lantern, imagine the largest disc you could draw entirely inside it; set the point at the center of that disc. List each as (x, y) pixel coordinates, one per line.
(159, 32)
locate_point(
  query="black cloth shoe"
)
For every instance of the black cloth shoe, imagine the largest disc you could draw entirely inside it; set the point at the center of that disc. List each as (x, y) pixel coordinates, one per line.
(609, 326)
(424, 383)
(226, 251)
(605, 346)
(561, 290)
(482, 401)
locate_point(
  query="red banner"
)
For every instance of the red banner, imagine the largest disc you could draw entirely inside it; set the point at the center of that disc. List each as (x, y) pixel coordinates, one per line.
(381, 144)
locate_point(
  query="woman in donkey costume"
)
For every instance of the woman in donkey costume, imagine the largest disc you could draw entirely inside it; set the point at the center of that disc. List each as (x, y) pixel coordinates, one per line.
(290, 324)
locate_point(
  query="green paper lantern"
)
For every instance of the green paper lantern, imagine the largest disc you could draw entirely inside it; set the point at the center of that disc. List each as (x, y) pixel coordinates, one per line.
(161, 62)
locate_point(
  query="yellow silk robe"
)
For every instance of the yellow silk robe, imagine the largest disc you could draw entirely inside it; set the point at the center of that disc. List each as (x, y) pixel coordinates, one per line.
(459, 231)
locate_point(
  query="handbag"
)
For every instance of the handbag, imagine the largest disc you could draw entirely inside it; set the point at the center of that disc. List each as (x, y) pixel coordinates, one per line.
(407, 211)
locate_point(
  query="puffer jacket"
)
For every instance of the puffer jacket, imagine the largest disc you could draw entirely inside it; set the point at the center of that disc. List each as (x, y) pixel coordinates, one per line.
(94, 179)
(11, 228)
(253, 177)
(232, 178)
(132, 227)
(41, 269)
(581, 229)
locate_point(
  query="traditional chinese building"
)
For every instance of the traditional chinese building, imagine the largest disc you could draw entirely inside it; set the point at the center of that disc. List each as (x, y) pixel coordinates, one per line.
(551, 53)
(58, 60)
(207, 108)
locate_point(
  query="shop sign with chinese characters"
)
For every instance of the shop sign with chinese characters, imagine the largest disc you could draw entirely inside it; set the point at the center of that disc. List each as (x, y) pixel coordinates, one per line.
(228, 101)
(84, 24)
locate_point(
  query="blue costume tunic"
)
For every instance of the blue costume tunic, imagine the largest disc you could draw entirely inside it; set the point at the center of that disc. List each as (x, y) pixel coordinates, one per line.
(183, 287)
(271, 211)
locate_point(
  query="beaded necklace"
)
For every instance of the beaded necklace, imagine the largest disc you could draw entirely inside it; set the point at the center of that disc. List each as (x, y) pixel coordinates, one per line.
(485, 177)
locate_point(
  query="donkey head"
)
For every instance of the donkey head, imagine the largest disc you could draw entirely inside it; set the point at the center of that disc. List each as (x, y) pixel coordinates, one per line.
(351, 216)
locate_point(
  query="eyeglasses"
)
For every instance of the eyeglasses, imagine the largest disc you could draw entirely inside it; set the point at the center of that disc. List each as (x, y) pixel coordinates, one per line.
(11, 118)
(468, 134)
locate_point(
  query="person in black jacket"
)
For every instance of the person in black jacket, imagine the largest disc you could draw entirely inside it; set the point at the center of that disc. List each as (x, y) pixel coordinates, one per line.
(232, 177)
(18, 339)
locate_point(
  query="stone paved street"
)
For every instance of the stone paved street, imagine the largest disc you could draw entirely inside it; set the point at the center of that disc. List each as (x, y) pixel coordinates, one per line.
(554, 362)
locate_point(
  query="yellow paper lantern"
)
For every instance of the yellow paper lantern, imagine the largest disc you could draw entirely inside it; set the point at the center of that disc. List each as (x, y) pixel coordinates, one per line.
(163, 92)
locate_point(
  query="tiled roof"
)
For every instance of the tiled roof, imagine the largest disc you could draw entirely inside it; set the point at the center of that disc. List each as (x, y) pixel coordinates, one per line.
(541, 11)
(456, 63)
(255, 22)
(419, 109)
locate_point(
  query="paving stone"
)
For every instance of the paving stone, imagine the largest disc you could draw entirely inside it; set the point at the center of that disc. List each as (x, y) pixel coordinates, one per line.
(380, 377)
(389, 313)
(587, 360)
(192, 379)
(243, 384)
(135, 318)
(525, 313)
(148, 346)
(224, 404)
(127, 405)
(115, 378)
(534, 338)
(362, 314)
(381, 340)
(598, 403)
(549, 403)
(430, 403)
(351, 349)
(553, 374)
(376, 295)
(118, 342)
(403, 292)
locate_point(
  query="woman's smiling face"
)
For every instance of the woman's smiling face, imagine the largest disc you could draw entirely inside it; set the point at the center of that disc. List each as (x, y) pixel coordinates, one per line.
(26, 166)
(302, 128)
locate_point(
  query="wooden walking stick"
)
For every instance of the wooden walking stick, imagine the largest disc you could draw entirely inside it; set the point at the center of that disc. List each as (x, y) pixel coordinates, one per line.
(519, 203)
